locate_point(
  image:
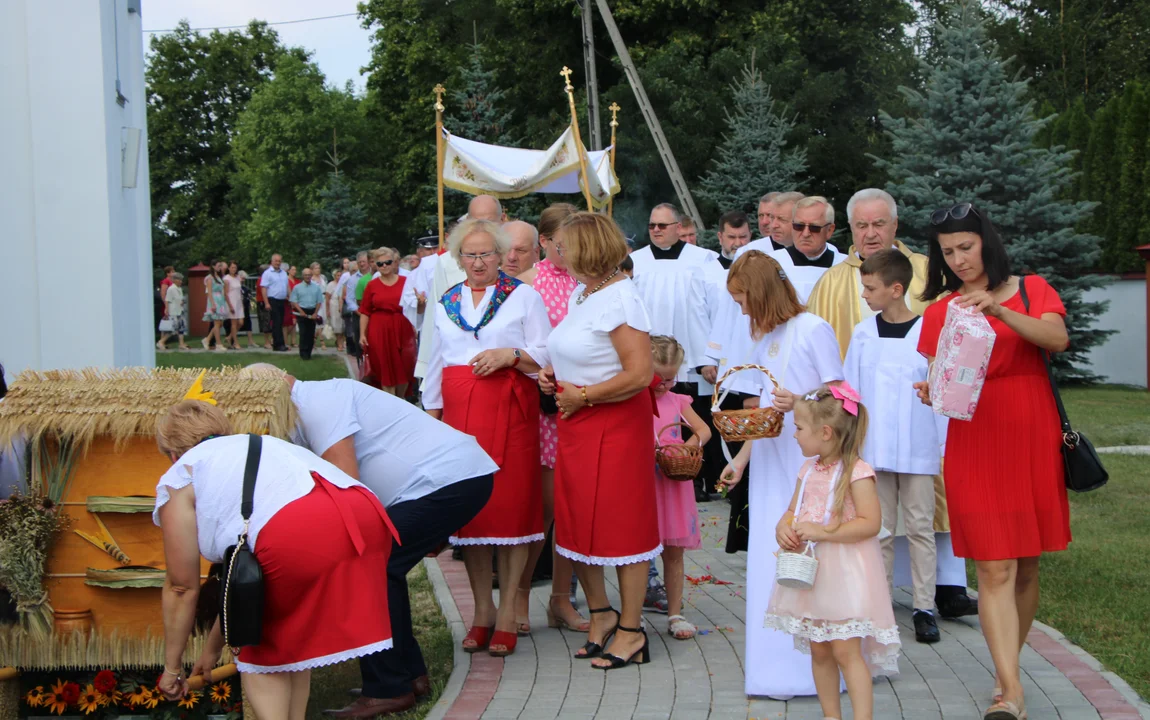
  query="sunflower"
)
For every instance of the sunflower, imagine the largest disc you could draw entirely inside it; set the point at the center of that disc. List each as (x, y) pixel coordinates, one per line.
(150, 699)
(53, 703)
(221, 692)
(113, 698)
(90, 700)
(35, 696)
(189, 701)
(136, 697)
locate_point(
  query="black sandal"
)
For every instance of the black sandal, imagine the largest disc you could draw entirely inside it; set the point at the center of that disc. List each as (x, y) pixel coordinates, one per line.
(642, 656)
(594, 649)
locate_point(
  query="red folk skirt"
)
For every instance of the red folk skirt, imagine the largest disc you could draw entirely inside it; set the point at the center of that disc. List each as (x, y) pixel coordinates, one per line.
(501, 411)
(605, 511)
(390, 354)
(324, 558)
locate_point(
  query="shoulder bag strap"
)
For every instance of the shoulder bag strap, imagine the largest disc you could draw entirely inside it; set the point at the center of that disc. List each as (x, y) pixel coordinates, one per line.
(1046, 361)
(255, 443)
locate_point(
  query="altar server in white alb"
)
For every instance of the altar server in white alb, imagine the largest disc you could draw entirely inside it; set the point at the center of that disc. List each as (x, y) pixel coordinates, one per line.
(417, 289)
(800, 351)
(902, 440)
(670, 280)
(813, 223)
(447, 274)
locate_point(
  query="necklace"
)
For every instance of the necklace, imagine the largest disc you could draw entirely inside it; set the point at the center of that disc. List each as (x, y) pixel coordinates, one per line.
(588, 293)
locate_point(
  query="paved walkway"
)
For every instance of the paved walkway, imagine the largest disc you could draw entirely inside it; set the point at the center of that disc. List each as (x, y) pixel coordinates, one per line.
(703, 678)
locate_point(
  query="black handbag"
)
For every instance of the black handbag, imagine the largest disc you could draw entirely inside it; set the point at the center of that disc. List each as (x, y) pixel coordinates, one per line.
(1083, 469)
(242, 579)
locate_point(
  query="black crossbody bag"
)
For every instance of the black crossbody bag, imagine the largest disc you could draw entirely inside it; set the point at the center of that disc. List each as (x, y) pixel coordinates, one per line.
(242, 579)
(1083, 468)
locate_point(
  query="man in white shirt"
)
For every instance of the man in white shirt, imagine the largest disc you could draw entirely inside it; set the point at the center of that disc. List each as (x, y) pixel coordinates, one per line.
(275, 285)
(448, 274)
(432, 479)
(418, 285)
(811, 255)
(346, 290)
(669, 277)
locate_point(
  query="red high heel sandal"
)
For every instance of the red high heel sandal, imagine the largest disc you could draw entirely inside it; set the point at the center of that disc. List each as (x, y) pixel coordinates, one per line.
(505, 639)
(478, 635)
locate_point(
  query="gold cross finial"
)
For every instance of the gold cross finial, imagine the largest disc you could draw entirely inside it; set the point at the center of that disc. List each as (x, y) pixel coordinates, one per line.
(566, 73)
(614, 111)
(438, 90)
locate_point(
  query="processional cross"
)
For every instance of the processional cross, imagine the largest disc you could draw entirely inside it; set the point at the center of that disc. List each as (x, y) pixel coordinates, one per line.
(566, 73)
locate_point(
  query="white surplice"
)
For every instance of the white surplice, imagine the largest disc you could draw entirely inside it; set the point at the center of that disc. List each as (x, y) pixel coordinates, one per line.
(800, 363)
(520, 323)
(418, 283)
(902, 435)
(804, 278)
(675, 295)
(715, 276)
(446, 275)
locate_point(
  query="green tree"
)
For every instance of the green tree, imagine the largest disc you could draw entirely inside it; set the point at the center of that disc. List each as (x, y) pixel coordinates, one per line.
(1098, 181)
(753, 156)
(970, 136)
(280, 141)
(476, 112)
(1129, 203)
(197, 87)
(338, 223)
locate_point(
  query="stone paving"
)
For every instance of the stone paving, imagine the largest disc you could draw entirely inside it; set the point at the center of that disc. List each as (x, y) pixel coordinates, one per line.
(703, 678)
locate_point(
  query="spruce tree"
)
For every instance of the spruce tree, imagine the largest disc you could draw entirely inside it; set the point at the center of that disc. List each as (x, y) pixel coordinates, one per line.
(753, 158)
(474, 108)
(338, 222)
(970, 136)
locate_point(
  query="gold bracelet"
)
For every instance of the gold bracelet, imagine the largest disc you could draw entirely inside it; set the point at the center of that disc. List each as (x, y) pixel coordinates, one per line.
(583, 392)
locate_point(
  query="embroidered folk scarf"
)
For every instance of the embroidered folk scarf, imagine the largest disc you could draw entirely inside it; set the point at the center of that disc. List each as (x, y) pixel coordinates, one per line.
(451, 299)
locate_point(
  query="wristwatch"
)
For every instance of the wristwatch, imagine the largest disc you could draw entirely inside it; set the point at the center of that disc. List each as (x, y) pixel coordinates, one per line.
(518, 357)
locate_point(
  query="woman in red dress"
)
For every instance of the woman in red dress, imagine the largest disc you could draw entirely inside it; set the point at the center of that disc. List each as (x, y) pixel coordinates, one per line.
(387, 337)
(1005, 486)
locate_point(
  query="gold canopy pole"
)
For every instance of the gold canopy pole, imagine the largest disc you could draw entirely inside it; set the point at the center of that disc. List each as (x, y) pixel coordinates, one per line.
(440, 152)
(566, 73)
(614, 124)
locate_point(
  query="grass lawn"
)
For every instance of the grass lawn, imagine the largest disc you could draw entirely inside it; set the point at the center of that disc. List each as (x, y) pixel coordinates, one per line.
(320, 367)
(1097, 593)
(329, 685)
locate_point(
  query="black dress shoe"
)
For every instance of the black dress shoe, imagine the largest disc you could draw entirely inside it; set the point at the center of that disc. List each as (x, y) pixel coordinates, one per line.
(957, 606)
(925, 627)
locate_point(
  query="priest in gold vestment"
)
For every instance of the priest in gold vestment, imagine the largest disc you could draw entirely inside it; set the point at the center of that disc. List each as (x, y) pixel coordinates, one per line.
(837, 298)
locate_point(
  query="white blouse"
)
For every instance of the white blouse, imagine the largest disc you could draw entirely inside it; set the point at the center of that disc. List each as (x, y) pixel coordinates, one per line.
(521, 322)
(580, 346)
(215, 469)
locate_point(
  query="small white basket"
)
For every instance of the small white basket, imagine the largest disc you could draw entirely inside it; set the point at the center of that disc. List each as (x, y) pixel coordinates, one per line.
(797, 570)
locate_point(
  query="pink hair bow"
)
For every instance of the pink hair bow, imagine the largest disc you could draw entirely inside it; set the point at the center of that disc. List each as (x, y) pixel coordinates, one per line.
(850, 397)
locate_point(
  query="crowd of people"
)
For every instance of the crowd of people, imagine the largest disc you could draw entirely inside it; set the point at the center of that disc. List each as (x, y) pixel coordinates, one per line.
(551, 360)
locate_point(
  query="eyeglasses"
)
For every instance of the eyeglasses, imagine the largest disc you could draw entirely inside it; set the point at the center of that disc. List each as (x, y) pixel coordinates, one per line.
(957, 212)
(666, 381)
(383, 263)
(560, 249)
(472, 257)
(661, 226)
(815, 229)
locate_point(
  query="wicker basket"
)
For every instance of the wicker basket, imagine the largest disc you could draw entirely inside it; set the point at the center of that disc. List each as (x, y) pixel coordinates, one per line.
(742, 425)
(797, 570)
(678, 461)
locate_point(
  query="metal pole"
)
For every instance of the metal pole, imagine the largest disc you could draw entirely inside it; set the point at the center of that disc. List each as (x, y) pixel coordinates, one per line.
(594, 129)
(677, 179)
(440, 152)
(614, 124)
(566, 73)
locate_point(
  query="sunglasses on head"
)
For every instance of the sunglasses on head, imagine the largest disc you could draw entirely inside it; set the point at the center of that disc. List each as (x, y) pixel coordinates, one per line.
(661, 226)
(957, 212)
(815, 229)
(383, 263)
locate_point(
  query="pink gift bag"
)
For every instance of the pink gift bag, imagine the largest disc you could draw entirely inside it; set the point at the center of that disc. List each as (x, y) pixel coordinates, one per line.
(961, 362)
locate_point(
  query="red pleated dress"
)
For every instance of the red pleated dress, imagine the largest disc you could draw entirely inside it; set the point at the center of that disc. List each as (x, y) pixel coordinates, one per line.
(1005, 487)
(390, 353)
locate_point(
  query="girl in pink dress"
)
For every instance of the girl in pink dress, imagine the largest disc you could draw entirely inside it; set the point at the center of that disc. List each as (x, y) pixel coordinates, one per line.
(678, 516)
(845, 621)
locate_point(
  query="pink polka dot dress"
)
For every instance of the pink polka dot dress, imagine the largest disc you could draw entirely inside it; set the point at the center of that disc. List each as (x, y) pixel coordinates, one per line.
(555, 286)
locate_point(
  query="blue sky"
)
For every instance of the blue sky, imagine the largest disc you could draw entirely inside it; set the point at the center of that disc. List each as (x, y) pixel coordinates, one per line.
(340, 46)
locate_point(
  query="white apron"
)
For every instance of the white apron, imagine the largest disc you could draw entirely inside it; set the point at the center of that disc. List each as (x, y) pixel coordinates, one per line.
(773, 665)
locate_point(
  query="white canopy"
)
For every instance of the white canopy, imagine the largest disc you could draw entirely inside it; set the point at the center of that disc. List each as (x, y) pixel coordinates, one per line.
(503, 172)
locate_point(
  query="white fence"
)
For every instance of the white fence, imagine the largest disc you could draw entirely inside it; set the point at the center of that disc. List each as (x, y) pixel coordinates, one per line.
(1122, 358)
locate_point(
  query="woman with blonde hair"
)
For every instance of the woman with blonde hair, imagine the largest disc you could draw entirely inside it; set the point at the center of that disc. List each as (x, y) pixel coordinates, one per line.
(605, 512)
(386, 336)
(554, 284)
(800, 351)
(490, 339)
(321, 538)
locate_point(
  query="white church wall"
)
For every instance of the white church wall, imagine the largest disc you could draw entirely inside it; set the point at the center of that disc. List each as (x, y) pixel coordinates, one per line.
(1122, 358)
